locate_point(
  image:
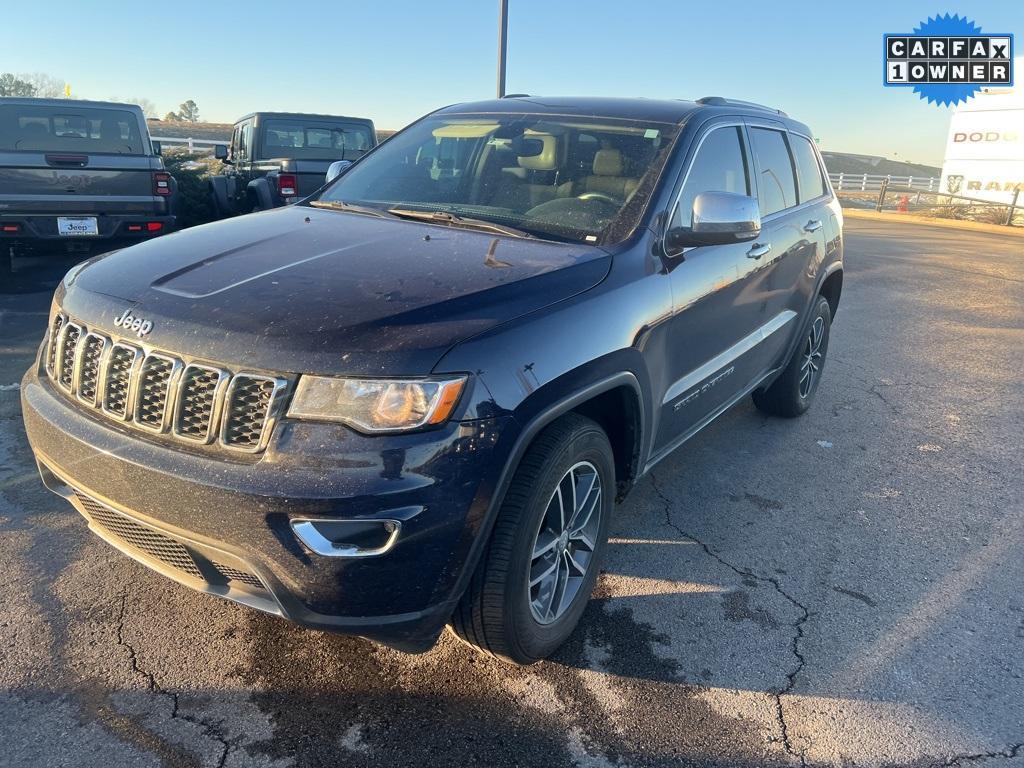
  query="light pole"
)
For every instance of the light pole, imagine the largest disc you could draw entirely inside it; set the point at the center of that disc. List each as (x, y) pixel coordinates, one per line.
(502, 44)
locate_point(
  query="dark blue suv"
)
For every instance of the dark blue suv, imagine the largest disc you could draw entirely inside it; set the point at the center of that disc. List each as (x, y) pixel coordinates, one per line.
(412, 399)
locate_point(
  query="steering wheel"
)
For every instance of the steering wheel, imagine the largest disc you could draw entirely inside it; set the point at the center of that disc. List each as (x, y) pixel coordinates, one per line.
(598, 196)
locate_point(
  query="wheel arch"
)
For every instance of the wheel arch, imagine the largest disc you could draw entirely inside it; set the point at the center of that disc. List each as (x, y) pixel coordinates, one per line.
(601, 391)
(832, 288)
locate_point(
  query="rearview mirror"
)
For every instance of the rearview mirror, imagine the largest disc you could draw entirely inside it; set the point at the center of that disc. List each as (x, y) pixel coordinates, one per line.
(527, 147)
(335, 169)
(158, 148)
(220, 151)
(718, 218)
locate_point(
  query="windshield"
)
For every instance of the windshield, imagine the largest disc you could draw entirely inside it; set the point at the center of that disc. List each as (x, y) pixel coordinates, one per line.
(70, 129)
(315, 141)
(564, 178)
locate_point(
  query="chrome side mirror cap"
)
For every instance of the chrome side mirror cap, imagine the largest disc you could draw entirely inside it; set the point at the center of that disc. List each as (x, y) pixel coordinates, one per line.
(335, 169)
(718, 218)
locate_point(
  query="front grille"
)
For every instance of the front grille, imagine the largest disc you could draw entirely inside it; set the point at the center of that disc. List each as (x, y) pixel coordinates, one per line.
(153, 543)
(159, 546)
(51, 353)
(69, 338)
(233, 574)
(162, 393)
(249, 399)
(120, 369)
(200, 392)
(90, 356)
(154, 389)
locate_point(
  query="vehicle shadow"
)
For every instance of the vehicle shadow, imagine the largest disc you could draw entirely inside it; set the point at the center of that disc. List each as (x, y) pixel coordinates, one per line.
(39, 273)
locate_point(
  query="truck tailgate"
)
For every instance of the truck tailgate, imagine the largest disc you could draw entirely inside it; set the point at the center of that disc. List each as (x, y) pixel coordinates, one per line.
(310, 174)
(69, 182)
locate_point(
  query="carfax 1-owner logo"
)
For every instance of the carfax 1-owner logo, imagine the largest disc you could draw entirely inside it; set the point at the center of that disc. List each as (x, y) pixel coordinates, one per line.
(947, 59)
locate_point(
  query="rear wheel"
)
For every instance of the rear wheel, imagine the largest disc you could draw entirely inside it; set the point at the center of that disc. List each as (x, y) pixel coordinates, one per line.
(536, 575)
(792, 393)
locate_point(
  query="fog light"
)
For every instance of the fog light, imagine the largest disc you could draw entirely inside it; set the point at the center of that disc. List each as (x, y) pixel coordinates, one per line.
(347, 538)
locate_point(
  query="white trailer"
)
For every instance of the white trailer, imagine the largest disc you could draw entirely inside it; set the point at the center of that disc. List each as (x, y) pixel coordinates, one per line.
(985, 148)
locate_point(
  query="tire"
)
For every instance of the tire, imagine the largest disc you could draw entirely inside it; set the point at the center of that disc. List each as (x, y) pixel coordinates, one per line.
(6, 262)
(501, 613)
(791, 394)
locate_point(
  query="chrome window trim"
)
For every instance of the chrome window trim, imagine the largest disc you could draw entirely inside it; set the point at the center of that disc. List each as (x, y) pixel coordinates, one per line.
(826, 182)
(689, 167)
(270, 420)
(769, 125)
(100, 367)
(170, 392)
(58, 363)
(223, 378)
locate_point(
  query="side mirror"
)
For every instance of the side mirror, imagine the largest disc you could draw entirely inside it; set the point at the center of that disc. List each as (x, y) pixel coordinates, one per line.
(158, 148)
(335, 169)
(718, 218)
(220, 151)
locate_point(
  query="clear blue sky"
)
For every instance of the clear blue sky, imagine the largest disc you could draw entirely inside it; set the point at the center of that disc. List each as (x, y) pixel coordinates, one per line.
(393, 61)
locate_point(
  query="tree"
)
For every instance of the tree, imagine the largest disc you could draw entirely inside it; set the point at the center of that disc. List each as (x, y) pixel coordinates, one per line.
(172, 117)
(188, 112)
(47, 86)
(13, 86)
(148, 107)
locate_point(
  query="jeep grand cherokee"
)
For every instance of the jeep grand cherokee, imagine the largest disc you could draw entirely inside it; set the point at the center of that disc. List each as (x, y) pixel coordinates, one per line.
(411, 400)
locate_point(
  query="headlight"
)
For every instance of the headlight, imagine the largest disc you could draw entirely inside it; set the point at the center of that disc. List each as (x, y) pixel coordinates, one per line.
(377, 405)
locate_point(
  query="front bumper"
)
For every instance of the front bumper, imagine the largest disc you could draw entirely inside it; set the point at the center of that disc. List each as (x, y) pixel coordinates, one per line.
(223, 525)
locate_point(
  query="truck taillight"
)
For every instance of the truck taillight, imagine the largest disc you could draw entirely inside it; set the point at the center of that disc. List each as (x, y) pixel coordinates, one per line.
(161, 183)
(287, 186)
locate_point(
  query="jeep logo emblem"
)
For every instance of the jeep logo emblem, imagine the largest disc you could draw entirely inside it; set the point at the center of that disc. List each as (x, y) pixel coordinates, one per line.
(137, 325)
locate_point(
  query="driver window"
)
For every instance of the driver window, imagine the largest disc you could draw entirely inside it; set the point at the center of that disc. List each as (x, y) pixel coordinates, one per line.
(719, 166)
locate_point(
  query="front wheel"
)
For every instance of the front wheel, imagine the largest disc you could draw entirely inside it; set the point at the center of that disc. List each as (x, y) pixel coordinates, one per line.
(536, 575)
(791, 394)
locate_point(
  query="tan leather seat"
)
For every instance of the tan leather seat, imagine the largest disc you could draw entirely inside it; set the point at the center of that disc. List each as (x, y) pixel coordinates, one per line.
(534, 178)
(607, 178)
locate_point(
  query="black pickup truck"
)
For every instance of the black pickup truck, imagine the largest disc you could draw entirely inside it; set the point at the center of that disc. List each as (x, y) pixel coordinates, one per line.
(278, 157)
(78, 176)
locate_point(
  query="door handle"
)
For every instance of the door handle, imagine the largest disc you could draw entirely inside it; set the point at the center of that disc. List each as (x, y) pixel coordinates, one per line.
(813, 225)
(758, 250)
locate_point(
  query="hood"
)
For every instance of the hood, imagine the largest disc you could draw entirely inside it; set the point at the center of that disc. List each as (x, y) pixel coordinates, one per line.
(299, 289)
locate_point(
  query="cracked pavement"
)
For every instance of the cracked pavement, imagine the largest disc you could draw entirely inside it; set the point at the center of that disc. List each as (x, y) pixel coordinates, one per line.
(842, 589)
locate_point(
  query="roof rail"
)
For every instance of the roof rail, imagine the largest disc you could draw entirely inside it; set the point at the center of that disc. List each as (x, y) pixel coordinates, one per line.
(515, 96)
(721, 101)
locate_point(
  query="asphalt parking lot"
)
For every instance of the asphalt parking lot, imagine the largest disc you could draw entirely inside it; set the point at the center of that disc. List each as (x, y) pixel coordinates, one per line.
(844, 589)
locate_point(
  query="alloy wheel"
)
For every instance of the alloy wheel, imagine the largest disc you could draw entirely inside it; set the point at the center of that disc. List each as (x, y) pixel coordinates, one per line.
(564, 546)
(812, 358)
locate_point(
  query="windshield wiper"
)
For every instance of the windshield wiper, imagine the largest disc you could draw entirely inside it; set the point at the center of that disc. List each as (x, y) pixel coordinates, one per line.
(341, 205)
(444, 217)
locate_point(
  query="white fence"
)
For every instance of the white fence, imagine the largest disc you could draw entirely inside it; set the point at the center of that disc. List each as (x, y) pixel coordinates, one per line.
(194, 145)
(868, 182)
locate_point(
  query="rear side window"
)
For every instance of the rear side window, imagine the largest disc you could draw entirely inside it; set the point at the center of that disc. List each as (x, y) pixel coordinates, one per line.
(719, 166)
(319, 141)
(808, 170)
(70, 129)
(777, 184)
